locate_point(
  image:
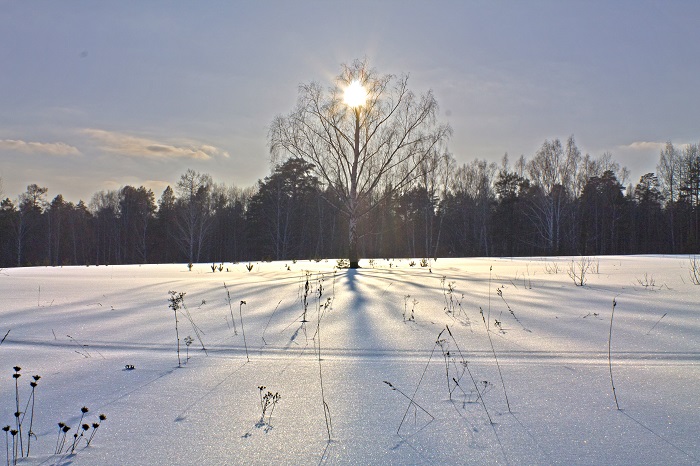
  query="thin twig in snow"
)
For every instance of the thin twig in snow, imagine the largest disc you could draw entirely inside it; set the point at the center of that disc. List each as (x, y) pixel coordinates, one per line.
(228, 296)
(269, 320)
(240, 313)
(503, 384)
(657, 323)
(612, 314)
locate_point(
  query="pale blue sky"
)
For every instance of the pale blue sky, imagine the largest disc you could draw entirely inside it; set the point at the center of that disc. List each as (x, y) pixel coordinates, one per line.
(96, 95)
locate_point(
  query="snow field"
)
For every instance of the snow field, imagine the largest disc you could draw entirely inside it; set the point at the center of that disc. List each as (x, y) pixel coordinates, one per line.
(79, 327)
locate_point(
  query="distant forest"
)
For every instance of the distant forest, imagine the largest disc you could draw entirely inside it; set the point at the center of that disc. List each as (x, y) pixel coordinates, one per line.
(558, 202)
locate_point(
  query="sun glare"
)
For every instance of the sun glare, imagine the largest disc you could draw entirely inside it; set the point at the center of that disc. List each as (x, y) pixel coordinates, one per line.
(355, 94)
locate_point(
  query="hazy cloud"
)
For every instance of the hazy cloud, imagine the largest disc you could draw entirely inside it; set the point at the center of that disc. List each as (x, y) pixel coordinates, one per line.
(50, 148)
(133, 146)
(644, 146)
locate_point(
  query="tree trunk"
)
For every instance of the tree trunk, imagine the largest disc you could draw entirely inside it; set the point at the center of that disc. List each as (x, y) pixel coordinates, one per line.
(354, 256)
(352, 220)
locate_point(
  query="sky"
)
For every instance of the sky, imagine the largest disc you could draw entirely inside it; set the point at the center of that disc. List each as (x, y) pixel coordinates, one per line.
(98, 95)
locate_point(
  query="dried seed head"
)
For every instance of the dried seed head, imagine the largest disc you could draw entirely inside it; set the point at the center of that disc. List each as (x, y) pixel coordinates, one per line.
(17, 375)
(85, 426)
(36, 377)
(103, 417)
(32, 384)
(17, 368)
(6, 428)
(84, 409)
(17, 414)
(66, 428)
(61, 424)
(13, 432)
(95, 425)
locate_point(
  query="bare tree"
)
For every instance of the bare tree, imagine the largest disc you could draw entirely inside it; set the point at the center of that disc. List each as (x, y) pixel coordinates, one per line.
(104, 207)
(550, 171)
(436, 175)
(559, 174)
(669, 169)
(194, 212)
(360, 148)
(689, 196)
(573, 167)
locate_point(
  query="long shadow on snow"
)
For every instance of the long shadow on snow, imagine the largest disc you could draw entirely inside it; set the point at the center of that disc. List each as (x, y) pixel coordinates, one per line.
(356, 311)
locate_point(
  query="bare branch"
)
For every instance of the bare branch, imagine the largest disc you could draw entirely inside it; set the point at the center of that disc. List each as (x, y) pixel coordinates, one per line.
(357, 151)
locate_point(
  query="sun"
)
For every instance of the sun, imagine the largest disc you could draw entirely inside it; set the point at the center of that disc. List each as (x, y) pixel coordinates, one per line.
(355, 94)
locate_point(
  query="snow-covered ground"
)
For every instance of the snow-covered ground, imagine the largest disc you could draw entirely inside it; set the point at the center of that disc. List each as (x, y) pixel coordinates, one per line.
(535, 389)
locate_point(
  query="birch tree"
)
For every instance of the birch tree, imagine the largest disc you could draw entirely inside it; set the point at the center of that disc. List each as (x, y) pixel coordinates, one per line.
(669, 170)
(550, 172)
(194, 212)
(366, 134)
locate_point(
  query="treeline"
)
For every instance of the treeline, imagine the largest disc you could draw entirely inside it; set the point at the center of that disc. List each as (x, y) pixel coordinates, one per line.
(556, 203)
